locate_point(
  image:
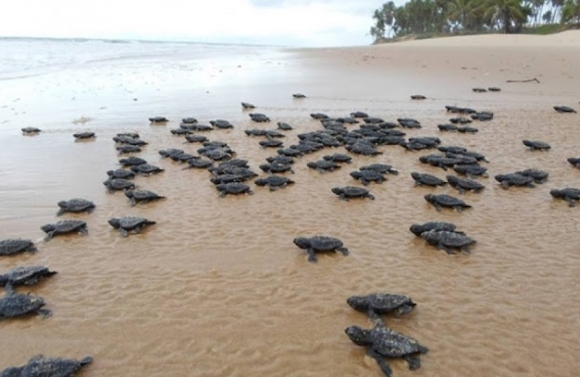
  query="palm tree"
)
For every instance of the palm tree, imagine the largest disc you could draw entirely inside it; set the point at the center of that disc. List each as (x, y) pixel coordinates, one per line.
(459, 11)
(505, 12)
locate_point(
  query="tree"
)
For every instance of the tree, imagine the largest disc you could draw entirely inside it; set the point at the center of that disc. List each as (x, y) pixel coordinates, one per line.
(505, 12)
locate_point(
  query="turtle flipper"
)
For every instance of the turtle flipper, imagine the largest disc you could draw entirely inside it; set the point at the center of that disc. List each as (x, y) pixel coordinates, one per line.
(458, 208)
(343, 197)
(133, 202)
(45, 313)
(505, 185)
(83, 231)
(49, 236)
(343, 250)
(387, 371)
(440, 246)
(413, 361)
(86, 360)
(570, 202)
(371, 197)
(272, 188)
(377, 319)
(137, 229)
(311, 256)
(9, 289)
(60, 211)
(222, 194)
(405, 309)
(90, 209)
(123, 232)
(437, 207)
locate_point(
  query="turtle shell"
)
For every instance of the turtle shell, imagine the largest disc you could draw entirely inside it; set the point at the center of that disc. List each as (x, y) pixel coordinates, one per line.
(446, 238)
(16, 245)
(389, 343)
(323, 243)
(25, 275)
(15, 305)
(76, 205)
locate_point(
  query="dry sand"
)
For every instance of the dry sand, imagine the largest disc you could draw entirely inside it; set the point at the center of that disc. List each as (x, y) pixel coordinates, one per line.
(217, 288)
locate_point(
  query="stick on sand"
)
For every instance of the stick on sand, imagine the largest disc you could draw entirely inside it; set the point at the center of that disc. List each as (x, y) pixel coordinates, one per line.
(530, 80)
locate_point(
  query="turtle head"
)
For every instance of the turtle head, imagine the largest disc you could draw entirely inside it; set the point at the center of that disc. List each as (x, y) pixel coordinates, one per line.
(416, 229)
(129, 194)
(556, 193)
(430, 198)
(452, 178)
(115, 223)
(62, 204)
(415, 175)
(337, 190)
(358, 336)
(355, 174)
(302, 242)
(359, 303)
(47, 228)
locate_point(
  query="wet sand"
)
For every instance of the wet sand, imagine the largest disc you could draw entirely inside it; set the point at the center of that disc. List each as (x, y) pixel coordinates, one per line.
(217, 288)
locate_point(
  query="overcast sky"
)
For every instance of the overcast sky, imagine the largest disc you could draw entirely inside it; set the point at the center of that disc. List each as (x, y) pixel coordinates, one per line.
(275, 22)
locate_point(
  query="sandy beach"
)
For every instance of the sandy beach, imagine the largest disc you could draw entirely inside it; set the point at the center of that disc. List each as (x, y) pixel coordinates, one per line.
(217, 288)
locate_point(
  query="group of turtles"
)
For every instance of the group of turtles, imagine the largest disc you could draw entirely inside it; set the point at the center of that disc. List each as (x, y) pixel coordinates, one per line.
(229, 173)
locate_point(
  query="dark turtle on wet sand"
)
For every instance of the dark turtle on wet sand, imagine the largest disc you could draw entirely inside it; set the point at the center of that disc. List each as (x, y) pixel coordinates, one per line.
(468, 130)
(367, 176)
(147, 169)
(363, 148)
(284, 126)
(198, 163)
(189, 120)
(84, 135)
(569, 194)
(195, 138)
(471, 170)
(460, 120)
(479, 90)
(417, 229)
(564, 109)
(258, 117)
(494, 89)
(233, 188)
(11, 246)
(118, 184)
(130, 223)
(323, 166)
(536, 145)
(574, 161)
(424, 179)
(276, 167)
(132, 161)
(64, 227)
(381, 168)
(247, 106)
(128, 149)
(319, 116)
(359, 114)
(75, 205)
(121, 173)
(298, 95)
(158, 120)
(30, 130)
(447, 127)
(385, 343)
(409, 123)
(274, 182)
(41, 366)
(418, 97)
(221, 124)
(281, 159)
(508, 180)
(448, 240)
(25, 275)
(463, 185)
(338, 157)
(376, 304)
(539, 176)
(348, 192)
(17, 305)
(271, 143)
(142, 196)
(439, 201)
(320, 244)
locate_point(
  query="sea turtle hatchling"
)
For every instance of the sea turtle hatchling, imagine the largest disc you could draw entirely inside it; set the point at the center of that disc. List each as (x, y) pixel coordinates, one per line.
(274, 182)
(447, 241)
(507, 180)
(338, 157)
(142, 196)
(348, 192)
(117, 184)
(376, 304)
(75, 205)
(367, 176)
(418, 97)
(233, 188)
(439, 201)
(381, 168)
(30, 130)
(569, 194)
(536, 145)
(147, 169)
(41, 366)
(382, 343)
(320, 244)
(323, 166)
(418, 229)
(298, 95)
(284, 126)
(247, 106)
(471, 170)
(84, 135)
(259, 117)
(158, 119)
(121, 173)
(64, 227)
(14, 304)
(564, 109)
(463, 185)
(424, 179)
(128, 148)
(11, 246)
(130, 223)
(132, 161)
(25, 275)
(539, 176)
(574, 161)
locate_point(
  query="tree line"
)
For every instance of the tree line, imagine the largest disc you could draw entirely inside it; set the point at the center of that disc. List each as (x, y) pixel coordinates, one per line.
(470, 16)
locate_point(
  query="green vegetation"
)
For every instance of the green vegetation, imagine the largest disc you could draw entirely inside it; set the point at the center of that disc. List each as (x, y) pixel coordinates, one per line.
(427, 18)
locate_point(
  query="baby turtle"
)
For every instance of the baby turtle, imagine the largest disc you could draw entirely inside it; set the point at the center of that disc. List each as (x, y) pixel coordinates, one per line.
(271, 143)
(508, 180)
(323, 166)
(75, 205)
(381, 168)
(539, 176)
(25, 275)
(446, 240)
(274, 182)
(158, 120)
(359, 114)
(418, 97)
(319, 116)
(575, 161)
(338, 157)
(128, 223)
(471, 170)
(479, 90)
(289, 152)
(463, 185)
(368, 176)
(348, 192)
(132, 161)
(84, 135)
(460, 120)
(382, 342)
(189, 120)
(409, 123)
(418, 229)
(447, 127)
(298, 95)
(284, 126)
(564, 109)
(16, 245)
(196, 138)
(233, 188)
(198, 163)
(247, 106)
(494, 89)
(40, 366)
(569, 194)
(276, 167)
(281, 159)
(258, 117)
(30, 130)
(320, 244)
(482, 116)
(121, 173)
(123, 149)
(439, 201)
(423, 179)
(118, 184)
(147, 169)
(221, 124)
(16, 304)
(142, 196)
(536, 145)
(64, 227)
(469, 130)
(376, 304)
(363, 148)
